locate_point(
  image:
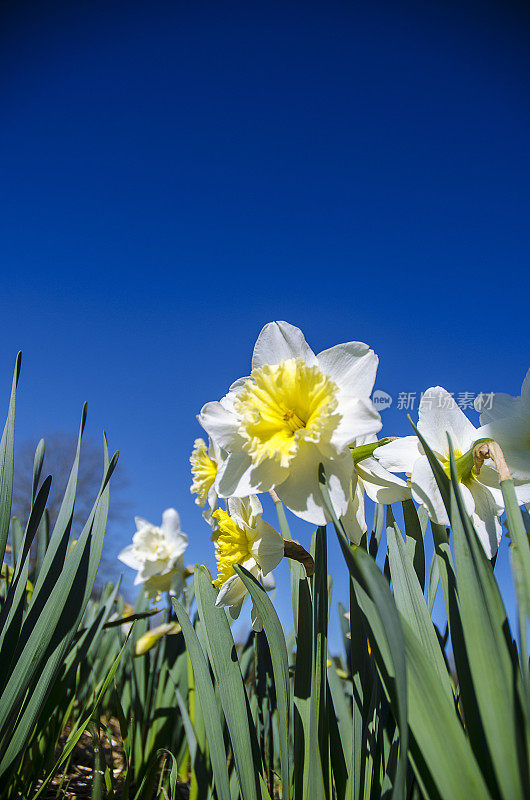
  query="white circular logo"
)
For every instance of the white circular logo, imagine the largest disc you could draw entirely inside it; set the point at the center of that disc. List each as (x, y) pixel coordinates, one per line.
(381, 400)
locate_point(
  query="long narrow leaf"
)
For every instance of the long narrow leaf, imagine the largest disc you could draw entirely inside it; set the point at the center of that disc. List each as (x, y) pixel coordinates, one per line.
(7, 452)
(208, 703)
(390, 637)
(231, 690)
(280, 666)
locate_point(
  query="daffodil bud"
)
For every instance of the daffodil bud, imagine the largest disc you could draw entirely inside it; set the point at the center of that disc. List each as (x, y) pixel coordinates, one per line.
(152, 637)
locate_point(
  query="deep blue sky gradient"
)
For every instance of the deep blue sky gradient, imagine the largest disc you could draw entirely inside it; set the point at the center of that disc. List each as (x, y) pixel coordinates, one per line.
(174, 175)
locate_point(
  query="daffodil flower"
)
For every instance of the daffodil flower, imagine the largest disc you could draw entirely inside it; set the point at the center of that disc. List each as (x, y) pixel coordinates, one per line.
(439, 415)
(295, 411)
(241, 536)
(206, 461)
(506, 419)
(158, 555)
(380, 485)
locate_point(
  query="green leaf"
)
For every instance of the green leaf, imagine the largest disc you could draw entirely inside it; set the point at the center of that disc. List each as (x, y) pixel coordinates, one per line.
(49, 628)
(520, 557)
(298, 573)
(57, 547)
(7, 451)
(79, 727)
(12, 612)
(383, 619)
(410, 601)
(223, 657)
(339, 770)
(489, 650)
(43, 538)
(414, 535)
(11, 615)
(280, 667)
(208, 703)
(302, 686)
(319, 777)
(196, 756)
(437, 731)
(338, 706)
(377, 530)
(173, 774)
(438, 471)
(37, 468)
(434, 581)
(359, 666)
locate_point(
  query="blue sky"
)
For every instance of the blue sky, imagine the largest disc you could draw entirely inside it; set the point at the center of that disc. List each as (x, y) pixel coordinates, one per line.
(175, 175)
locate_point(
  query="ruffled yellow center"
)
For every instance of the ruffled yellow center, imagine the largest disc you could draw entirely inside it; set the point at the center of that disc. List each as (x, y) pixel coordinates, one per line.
(232, 546)
(283, 405)
(203, 470)
(150, 544)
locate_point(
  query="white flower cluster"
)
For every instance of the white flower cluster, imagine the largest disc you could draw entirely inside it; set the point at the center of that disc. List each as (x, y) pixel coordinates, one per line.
(297, 410)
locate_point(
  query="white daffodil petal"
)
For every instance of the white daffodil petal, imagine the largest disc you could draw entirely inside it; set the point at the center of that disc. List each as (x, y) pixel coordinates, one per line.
(399, 455)
(380, 485)
(507, 420)
(358, 418)
(438, 416)
(236, 386)
(267, 581)
(354, 520)
(239, 477)
(268, 547)
(486, 517)
(497, 405)
(279, 341)
(246, 508)
(177, 540)
(367, 438)
(467, 497)
(171, 521)
(220, 424)
(128, 557)
(234, 477)
(232, 592)
(301, 491)
(513, 435)
(425, 491)
(352, 366)
(211, 503)
(522, 492)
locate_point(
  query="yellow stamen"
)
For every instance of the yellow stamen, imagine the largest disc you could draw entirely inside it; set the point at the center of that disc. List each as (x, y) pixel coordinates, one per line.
(464, 466)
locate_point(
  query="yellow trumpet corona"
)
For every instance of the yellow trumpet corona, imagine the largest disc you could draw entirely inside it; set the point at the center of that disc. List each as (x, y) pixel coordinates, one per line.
(282, 405)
